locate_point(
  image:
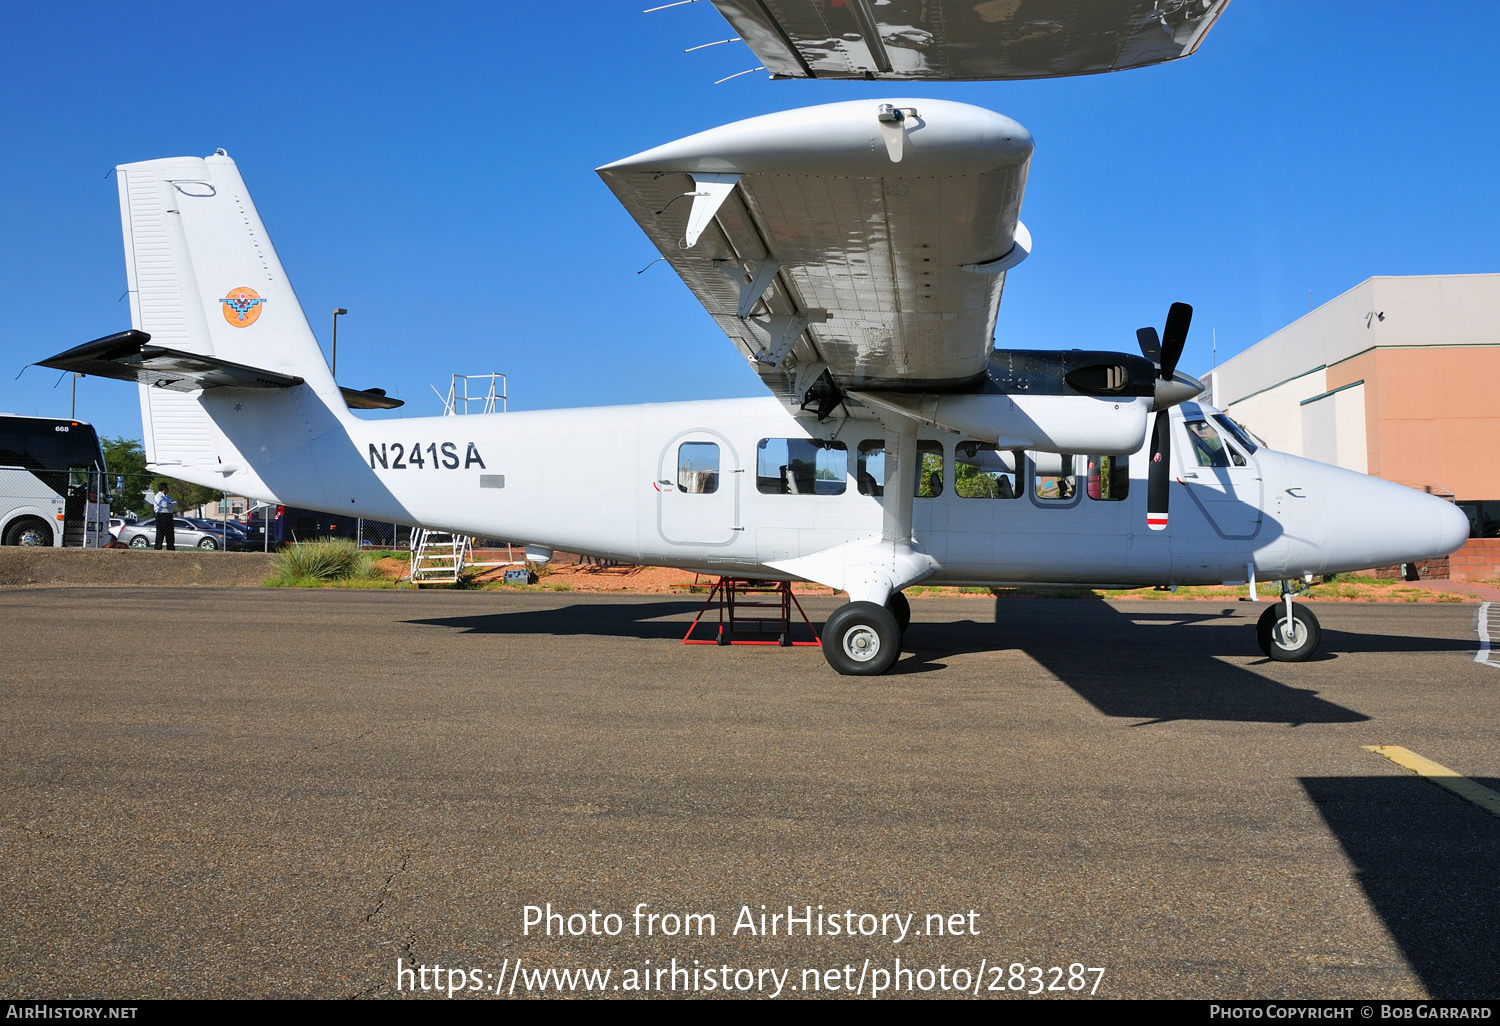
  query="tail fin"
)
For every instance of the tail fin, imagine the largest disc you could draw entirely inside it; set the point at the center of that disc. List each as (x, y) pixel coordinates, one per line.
(204, 279)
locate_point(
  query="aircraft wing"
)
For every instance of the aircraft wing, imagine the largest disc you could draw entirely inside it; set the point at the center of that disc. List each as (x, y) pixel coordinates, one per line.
(869, 240)
(965, 39)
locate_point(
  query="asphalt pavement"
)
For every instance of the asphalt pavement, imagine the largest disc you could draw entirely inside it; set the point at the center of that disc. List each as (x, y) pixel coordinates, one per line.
(247, 792)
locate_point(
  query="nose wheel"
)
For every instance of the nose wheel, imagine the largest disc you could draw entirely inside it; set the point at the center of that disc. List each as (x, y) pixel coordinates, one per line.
(1288, 639)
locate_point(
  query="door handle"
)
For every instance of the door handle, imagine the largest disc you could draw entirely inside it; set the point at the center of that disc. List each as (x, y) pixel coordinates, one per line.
(1190, 474)
(1295, 492)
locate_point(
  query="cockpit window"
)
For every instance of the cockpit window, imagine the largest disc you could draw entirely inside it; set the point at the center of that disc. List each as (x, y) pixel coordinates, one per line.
(1240, 434)
(1209, 448)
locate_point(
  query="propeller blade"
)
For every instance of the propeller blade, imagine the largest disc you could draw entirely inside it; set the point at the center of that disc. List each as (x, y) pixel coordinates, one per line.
(1174, 337)
(1159, 474)
(1150, 344)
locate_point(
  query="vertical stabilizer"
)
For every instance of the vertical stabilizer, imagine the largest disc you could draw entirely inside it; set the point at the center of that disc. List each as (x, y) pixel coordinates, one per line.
(204, 278)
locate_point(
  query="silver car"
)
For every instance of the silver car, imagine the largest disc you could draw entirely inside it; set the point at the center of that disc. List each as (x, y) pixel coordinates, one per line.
(142, 535)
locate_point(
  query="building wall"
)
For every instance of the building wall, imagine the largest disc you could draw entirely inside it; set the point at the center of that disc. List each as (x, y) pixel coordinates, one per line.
(1420, 310)
(1423, 356)
(1333, 428)
(1276, 414)
(1438, 420)
(1478, 560)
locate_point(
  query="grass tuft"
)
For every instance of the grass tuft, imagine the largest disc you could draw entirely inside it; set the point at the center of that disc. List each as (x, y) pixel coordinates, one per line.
(328, 561)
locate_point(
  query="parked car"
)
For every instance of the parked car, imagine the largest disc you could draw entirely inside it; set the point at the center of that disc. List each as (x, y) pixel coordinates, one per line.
(237, 535)
(115, 523)
(186, 535)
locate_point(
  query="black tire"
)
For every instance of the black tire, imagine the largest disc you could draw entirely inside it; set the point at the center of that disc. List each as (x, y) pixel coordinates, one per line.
(900, 608)
(861, 639)
(140, 541)
(30, 532)
(208, 545)
(1305, 636)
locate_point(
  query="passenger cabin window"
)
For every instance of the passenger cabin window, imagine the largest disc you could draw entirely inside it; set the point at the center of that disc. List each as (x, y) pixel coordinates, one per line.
(1208, 448)
(1109, 478)
(870, 469)
(1056, 476)
(698, 468)
(801, 466)
(980, 471)
(930, 471)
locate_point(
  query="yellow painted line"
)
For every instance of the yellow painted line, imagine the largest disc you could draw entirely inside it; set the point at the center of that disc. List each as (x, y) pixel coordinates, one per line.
(1442, 776)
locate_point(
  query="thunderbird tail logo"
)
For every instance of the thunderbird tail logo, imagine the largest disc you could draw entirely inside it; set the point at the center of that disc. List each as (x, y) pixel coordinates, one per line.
(242, 307)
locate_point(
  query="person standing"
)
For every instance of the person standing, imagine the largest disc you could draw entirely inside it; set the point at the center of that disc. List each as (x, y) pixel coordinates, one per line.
(165, 505)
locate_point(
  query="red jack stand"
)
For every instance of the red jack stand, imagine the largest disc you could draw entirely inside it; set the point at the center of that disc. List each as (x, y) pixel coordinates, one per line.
(731, 594)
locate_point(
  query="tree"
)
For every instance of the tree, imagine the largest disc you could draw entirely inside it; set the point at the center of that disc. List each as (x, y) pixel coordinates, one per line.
(126, 460)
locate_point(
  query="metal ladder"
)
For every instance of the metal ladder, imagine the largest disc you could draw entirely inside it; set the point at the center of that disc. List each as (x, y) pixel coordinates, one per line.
(437, 557)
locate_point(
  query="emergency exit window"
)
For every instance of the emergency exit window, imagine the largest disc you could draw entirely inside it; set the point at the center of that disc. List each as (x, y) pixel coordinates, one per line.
(698, 468)
(1109, 478)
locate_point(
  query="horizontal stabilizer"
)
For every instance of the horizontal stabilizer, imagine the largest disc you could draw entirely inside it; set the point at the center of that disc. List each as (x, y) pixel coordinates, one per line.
(129, 356)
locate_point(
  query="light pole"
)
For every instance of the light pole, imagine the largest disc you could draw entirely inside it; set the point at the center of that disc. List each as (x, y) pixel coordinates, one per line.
(336, 312)
(73, 405)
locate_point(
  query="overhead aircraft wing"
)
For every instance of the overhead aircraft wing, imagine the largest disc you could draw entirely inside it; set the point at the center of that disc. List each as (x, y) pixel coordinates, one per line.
(869, 240)
(964, 39)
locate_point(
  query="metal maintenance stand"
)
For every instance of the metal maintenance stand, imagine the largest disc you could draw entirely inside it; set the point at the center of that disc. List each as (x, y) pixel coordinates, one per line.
(731, 594)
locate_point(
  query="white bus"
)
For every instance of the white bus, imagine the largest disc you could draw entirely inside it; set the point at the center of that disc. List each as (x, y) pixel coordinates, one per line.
(52, 483)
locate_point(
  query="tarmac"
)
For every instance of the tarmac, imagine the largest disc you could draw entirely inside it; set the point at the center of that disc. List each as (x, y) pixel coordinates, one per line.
(221, 792)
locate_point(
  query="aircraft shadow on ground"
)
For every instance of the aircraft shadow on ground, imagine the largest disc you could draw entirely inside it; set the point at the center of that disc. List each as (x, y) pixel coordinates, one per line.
(1429, 863)
(603, 619)
(1152, 666)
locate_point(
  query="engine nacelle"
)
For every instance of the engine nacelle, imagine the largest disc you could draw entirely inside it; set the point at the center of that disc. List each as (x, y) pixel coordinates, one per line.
(1104, 426)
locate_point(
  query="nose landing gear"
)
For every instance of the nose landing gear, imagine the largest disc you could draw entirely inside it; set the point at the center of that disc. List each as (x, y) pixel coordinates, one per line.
(1288, 632)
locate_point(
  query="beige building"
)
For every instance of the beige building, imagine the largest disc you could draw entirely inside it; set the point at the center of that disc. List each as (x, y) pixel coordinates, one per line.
(1398, 377)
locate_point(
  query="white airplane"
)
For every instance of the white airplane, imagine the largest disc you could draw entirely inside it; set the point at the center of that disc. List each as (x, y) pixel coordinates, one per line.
(856, 253)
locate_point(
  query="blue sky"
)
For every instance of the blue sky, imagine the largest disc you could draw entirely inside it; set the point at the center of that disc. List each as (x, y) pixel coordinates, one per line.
(430, 168)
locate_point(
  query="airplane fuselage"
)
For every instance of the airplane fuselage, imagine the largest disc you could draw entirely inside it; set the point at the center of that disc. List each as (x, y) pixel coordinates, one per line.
(705, 486)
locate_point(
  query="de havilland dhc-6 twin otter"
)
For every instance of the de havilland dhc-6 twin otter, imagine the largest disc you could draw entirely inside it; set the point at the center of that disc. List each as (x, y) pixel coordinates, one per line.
(855, 252)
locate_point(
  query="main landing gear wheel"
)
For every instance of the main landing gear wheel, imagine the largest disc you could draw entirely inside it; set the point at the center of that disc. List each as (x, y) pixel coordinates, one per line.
(861, 639)
(901, 609)
(1288, 642)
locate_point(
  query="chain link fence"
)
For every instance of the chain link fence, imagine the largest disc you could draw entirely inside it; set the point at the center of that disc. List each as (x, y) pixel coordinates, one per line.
(234, 522)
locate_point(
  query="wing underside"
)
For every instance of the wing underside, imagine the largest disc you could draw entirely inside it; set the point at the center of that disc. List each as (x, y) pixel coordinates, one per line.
(930, 40)
(814, 244)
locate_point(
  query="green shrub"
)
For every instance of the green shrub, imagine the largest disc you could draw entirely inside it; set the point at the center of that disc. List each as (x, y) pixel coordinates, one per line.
(327, 560)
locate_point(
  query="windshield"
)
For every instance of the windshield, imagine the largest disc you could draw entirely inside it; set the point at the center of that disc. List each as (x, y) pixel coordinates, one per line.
(1240, 434)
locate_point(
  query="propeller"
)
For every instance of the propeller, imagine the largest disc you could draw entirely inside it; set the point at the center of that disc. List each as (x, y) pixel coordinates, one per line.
(1164, 351)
